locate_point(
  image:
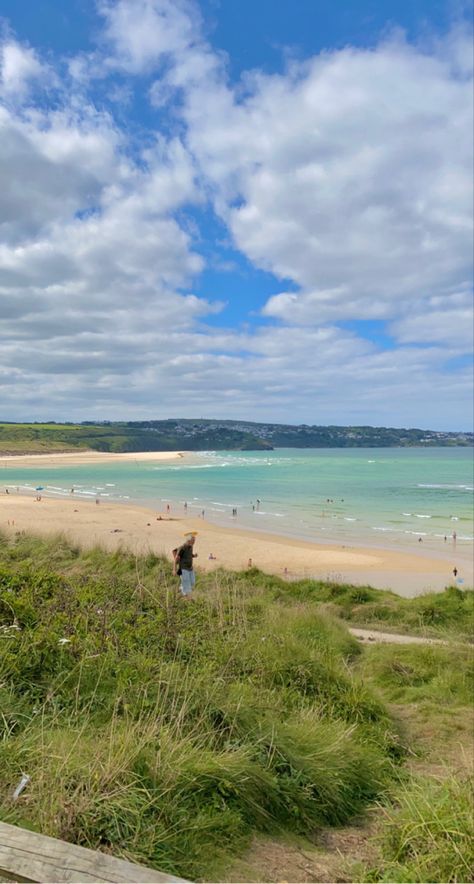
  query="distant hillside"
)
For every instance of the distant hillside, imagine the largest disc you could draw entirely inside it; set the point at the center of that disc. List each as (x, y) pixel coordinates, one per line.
(199, 435)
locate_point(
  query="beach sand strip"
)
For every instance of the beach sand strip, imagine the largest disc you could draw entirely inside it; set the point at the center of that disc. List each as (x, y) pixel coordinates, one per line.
(139, 530)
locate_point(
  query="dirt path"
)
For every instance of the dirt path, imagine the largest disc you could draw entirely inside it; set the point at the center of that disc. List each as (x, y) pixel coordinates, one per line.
(372, 635)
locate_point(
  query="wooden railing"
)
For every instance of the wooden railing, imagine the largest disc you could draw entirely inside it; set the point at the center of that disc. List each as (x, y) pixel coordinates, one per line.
(28, 856)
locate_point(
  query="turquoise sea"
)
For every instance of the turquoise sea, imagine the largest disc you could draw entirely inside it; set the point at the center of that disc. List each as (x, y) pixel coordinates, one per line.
(381, 497)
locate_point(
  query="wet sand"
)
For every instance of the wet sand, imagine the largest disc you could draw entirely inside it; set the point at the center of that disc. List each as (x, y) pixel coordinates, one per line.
(139, 529)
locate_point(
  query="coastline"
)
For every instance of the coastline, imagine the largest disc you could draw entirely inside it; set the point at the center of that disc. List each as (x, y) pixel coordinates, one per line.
(139, 529)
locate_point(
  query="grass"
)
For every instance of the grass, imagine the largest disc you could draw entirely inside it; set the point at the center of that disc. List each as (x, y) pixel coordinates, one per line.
(421, 674)
(170, 733)
(427, 827)
(428, 835)
(448, 614)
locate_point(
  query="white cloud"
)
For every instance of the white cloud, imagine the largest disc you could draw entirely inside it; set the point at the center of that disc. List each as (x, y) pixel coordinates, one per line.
(143, 32)
(349, 175)
(53, 164)
(19, 68)
(443, 320)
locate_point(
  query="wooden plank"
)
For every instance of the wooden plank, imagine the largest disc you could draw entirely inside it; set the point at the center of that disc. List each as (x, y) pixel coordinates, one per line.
(28, 856)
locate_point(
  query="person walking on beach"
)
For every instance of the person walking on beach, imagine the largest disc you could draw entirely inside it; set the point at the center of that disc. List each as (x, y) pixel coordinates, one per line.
(183, 564)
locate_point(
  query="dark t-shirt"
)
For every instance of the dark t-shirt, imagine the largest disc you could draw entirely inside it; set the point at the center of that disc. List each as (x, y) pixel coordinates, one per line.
(184, 557)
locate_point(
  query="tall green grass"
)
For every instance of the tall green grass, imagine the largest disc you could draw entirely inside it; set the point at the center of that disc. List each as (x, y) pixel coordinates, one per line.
(429, 835)
(443, 614)
(421, 674)
(170, 732)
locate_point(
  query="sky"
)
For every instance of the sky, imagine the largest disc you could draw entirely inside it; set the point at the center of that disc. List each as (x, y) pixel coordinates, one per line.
(237, 209)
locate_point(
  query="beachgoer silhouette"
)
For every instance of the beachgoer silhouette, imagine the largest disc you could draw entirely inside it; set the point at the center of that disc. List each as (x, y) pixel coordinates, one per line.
(183, 565)
(455, 571)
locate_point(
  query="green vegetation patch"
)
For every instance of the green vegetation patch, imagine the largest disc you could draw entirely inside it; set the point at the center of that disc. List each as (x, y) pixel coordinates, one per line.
(428, 836)
(421, 673)
(448, 614)
(169, 731)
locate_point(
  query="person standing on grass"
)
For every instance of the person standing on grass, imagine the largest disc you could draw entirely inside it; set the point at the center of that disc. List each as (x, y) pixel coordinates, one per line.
(183, 564)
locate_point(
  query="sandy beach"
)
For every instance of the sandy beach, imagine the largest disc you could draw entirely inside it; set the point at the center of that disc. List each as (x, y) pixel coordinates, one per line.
(140, 529)
(76, 458)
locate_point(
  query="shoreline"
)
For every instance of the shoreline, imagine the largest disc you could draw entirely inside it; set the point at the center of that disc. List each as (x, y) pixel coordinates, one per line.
(76, 458)
(139, 529)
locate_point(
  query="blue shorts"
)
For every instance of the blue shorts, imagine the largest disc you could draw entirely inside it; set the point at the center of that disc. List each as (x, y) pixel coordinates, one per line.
(188, 580)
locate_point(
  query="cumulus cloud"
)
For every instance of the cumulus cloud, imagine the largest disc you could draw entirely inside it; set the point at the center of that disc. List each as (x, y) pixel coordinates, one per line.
(141, 33)
(350, 175)
(52, 165)
(19, 69)
(347, 176)
(440, 320)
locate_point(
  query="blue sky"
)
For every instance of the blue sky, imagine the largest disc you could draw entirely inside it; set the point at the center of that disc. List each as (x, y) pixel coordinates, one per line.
(254, 34)
(239, 209)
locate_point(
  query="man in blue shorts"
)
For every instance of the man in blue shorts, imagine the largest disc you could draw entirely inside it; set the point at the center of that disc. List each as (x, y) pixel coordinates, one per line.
(183, 565)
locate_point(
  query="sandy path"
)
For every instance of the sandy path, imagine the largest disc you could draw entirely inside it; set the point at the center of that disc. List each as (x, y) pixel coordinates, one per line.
(373, 635)
(139, 530)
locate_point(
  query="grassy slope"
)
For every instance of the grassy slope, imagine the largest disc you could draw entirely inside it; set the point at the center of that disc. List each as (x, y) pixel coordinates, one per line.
(45, 438)
(426, 828)
(172, 732)
(42, 438)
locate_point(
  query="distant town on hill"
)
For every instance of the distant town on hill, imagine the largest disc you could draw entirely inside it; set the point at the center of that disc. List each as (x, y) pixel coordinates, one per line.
(191, 434)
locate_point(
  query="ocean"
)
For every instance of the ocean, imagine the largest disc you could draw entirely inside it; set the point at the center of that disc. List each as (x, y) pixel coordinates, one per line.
(388, 497)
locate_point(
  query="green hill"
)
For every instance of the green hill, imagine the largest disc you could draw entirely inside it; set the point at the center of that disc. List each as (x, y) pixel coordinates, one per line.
(202, 435)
